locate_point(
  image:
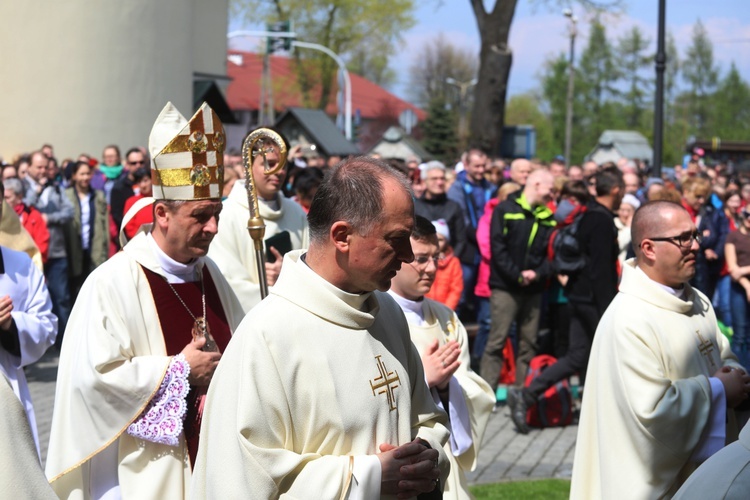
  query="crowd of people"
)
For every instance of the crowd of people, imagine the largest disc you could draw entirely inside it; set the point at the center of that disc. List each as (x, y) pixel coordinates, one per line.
(150, 271)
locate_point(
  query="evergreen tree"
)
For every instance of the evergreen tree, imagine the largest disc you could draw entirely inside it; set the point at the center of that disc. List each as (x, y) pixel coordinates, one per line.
(554, 96)
(701, 75)
(731, 108)
(439, 134)
(597, 89)
(632, 50)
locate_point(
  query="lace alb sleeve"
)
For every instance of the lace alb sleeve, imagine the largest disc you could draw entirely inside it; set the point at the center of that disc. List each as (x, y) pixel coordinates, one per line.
(161, 421)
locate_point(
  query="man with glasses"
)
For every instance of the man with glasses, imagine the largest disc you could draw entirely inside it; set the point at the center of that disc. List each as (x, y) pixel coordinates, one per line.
(662, 381)
(443, 345)
(434, 204)
(123, 188)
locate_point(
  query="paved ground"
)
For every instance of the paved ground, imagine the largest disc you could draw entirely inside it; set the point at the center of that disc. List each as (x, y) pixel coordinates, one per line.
(505, 455)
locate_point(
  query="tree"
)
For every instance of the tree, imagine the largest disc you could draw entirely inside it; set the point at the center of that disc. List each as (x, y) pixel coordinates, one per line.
(344, 26)
(495, 60)
(436, 61)
(702, 75)
(439, 135)
(731, 108)
(631, 51)
(554, 82)
(597, 90)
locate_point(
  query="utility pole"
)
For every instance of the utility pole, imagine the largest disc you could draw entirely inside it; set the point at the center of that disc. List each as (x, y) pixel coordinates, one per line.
(571, 83)
(661, 63)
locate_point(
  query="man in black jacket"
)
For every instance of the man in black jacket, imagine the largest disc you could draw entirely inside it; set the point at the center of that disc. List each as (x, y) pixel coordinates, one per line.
(434, 204)
(519, 232)
(589, 292)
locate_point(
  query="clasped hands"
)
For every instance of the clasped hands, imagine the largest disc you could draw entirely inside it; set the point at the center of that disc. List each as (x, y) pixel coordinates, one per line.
(736, 384)
(408, 470)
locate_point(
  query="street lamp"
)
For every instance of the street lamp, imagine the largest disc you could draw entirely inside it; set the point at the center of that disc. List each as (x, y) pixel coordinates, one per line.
(463, 91)
(661, 63)
(314, 46)
(571, 82)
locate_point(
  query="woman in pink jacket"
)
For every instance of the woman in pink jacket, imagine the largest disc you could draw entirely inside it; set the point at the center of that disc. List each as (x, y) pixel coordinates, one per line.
(482, 289)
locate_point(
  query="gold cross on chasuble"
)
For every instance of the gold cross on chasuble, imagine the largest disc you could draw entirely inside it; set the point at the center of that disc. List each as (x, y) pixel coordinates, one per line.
(706, 347)
(382, 383)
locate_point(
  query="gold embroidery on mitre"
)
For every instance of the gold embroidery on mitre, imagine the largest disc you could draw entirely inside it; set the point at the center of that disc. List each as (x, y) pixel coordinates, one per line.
(200, 176)
(382, 383)
(219, 141)
(197, 142)
(177, 177)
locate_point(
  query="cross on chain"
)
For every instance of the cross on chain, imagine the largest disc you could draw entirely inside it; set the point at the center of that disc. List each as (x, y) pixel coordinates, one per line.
(382, 383)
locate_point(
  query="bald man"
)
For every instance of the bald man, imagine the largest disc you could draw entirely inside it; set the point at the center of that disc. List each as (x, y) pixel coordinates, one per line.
(520, 169)
(519, 233)
(662, 381)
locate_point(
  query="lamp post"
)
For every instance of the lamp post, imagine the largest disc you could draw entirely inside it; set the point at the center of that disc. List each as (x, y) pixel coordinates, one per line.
(571, 82)
(314, 46)
(463, 91)
(661, 63)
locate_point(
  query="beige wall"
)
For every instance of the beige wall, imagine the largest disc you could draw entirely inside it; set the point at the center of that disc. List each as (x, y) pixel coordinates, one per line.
(81, 74)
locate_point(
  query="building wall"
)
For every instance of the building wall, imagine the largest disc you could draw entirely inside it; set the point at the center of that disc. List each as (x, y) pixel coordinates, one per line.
(82, 74)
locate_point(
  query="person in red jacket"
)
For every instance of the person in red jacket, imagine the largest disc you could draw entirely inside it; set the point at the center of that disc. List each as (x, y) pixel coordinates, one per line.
(31, 219)
(449, 282)
(142, 180)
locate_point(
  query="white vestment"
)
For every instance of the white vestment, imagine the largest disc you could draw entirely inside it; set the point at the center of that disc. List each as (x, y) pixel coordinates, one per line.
(36, 325)
(112, 364)
(471, 399)
(647, 401)
(21, 474)
(309, 386)
(726, 475)
(233, 250)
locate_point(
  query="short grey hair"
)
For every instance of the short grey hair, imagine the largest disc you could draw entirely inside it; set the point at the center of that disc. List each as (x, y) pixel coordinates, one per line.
(431, 165)
(15, 185)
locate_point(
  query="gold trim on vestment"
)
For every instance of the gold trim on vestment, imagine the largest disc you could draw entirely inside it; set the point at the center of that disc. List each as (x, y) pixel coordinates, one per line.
(348, 478)
(118, 434)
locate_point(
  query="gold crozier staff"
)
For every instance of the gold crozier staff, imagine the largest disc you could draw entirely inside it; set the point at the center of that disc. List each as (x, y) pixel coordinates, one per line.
(255, 225)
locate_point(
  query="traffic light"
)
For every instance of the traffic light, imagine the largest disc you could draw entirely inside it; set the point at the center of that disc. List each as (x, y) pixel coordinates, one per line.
(279, 43)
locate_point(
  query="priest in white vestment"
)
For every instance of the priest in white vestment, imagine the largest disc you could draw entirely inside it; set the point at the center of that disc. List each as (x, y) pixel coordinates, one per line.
(145, 334)
(662, 381)
(21, 474)
(233, 250)
(27, 326)
(443, 344)
(321, 393)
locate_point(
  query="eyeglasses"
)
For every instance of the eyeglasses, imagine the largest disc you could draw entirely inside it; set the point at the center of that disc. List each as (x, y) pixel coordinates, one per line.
(684, 241)
(139, 162)
(420, 261)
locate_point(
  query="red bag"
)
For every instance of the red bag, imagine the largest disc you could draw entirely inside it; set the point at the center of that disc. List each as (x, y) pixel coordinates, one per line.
(554, 408)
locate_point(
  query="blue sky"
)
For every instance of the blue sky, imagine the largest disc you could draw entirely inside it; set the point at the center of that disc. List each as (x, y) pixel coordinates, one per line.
(539, 32)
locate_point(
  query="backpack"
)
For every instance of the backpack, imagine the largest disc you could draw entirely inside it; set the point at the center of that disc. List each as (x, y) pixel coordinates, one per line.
(554, 408)
(567, 256)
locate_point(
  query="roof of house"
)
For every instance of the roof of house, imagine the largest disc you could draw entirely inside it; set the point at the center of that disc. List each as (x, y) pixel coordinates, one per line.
(629, 144)
(243, 93)
(320, 129)
(397, 144)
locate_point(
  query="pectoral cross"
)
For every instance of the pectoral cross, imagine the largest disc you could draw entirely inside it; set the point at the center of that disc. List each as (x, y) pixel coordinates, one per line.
(382, 383)
(200, 329)
(706, 347)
